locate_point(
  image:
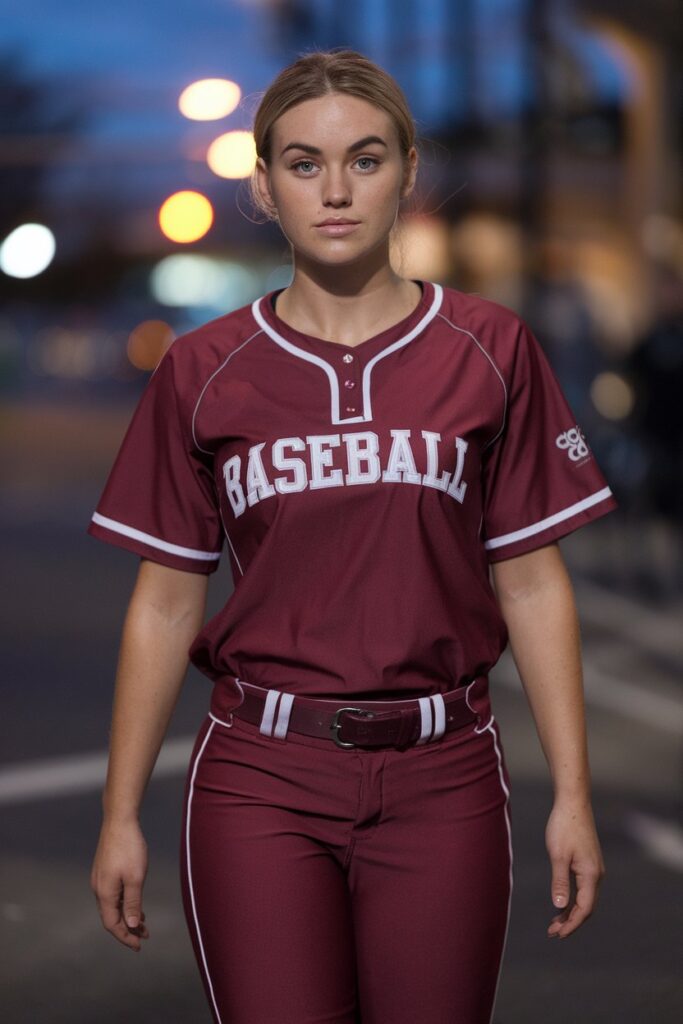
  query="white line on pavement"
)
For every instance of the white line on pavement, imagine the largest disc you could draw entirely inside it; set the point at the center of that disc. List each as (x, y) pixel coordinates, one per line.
(79, 773)
(661, 840)
(653, 631)
(626, 699)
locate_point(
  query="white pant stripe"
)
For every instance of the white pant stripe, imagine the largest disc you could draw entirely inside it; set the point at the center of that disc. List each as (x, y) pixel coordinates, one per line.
(268, 716)
(283, 714)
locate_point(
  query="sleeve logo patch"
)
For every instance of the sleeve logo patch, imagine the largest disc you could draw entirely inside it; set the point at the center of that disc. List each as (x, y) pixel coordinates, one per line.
(574, 443)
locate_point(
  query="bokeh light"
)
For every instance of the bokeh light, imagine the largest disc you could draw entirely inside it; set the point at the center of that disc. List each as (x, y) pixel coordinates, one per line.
(421, 248)
(613, 287)
(67, 353)
(27, 251)
(232, 155)
(186, 216)
(196, 280)
(209, 99)
(147, 343)
(488, 244)
(663, 239)
(612, 396)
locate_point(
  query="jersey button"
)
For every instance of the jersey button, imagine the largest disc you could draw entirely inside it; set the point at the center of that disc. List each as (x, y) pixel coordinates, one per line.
(348, 358)
(350, 408)
(349, 383)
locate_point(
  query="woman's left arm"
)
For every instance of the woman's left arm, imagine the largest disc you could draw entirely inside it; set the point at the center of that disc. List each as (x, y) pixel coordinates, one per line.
(536, 598)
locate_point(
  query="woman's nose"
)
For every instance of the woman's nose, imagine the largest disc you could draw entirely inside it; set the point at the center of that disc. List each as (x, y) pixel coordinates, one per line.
(335, 189)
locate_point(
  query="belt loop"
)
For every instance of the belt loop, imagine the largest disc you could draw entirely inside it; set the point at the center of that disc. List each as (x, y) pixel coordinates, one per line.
(268, 714)
(273, 724)
(470, 705)
(284, 712)
(433, 715)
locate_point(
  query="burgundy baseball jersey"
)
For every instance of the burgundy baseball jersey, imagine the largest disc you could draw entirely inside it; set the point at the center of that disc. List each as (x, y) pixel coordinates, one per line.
(361, 492)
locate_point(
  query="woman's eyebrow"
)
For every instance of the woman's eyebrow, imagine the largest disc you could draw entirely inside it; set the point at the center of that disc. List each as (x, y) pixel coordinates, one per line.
(352, 148)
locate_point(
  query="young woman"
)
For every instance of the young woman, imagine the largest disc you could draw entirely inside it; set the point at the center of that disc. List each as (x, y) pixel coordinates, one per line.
(391, 463)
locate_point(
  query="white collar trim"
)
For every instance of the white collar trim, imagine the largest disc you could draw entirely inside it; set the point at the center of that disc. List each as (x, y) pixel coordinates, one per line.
(329, 369)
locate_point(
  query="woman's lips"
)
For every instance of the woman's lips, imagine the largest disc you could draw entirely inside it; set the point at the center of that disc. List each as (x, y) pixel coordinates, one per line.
(336, 229)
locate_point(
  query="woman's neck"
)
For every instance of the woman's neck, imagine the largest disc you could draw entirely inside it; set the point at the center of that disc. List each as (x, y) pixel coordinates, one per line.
(349, 317)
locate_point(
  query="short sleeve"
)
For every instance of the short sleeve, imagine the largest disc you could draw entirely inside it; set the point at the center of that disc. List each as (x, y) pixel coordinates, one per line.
(160, 500)
(540, 479)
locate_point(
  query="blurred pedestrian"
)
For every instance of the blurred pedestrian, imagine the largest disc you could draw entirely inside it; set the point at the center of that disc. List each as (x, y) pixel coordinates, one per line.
(656, 369)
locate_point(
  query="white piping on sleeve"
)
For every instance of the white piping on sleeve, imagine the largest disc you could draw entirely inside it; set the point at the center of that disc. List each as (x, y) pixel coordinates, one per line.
(544, 524)
(155, 542)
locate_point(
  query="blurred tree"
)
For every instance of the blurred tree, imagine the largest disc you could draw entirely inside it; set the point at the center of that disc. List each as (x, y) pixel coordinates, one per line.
(35, 126)
(41, 124)
(291, 24)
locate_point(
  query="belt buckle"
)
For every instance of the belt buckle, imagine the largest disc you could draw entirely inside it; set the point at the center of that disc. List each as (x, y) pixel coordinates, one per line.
(336, 725)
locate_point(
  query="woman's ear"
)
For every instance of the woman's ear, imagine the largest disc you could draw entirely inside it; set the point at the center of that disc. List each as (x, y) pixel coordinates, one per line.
(410, 173)
(263, 186)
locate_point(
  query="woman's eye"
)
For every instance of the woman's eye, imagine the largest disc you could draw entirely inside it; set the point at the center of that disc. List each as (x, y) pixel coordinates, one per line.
(302, 164)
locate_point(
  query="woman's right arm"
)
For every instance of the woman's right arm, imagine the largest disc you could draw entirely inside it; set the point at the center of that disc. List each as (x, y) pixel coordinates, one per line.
(165, 613)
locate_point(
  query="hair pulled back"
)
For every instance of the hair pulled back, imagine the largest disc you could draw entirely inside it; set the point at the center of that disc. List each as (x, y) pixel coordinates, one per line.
(319, 73)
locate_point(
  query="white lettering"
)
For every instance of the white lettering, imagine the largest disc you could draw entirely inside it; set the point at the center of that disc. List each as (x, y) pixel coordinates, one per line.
(321, 457)
(355, 455)
(258, 486)
(233, 487)
(573, 441)
(363, 465)
(457, 489)
(401, 467)
(280, 461)
(430, 479)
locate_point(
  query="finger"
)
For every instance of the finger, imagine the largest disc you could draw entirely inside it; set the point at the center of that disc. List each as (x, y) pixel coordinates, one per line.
(108, 896)
(557, 922)
(560, 883)
(142, 930)
(116, 926)
(110, 900)
(583, 906)
(132, 903)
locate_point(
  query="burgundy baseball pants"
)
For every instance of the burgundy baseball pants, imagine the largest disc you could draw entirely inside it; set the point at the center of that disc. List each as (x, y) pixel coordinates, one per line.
(324, 885)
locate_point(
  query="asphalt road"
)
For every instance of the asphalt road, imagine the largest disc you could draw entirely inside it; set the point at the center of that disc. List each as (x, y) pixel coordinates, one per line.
(63, 605)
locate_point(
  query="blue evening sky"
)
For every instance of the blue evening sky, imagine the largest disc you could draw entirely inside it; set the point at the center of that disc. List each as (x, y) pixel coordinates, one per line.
(130, 59)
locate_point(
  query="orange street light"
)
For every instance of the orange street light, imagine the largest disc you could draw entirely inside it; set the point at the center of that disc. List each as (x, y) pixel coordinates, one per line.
(209, 99)
(186, 216)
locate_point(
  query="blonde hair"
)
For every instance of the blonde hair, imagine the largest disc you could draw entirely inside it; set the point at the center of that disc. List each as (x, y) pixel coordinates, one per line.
(319, 73)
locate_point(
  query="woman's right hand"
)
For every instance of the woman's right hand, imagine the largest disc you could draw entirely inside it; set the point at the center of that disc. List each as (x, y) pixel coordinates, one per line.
(117, 876)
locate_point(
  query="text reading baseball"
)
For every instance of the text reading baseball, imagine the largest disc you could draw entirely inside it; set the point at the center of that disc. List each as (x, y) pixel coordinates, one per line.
(359, 452)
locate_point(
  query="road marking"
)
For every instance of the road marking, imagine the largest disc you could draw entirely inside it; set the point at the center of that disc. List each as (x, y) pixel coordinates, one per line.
(625, 699)
(661, 840)
(631, 701)
(82, 773)
(658, 634)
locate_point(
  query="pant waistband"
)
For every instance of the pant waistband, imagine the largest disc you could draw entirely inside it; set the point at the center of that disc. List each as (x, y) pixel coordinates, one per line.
(355, 723)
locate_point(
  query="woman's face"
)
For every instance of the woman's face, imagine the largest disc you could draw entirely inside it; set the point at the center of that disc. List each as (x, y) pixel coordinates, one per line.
(336, 156)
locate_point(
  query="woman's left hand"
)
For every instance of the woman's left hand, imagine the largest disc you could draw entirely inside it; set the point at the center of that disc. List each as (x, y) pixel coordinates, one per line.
(574, 849)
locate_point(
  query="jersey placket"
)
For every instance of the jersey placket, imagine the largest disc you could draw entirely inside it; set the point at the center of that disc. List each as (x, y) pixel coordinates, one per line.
(350, 374)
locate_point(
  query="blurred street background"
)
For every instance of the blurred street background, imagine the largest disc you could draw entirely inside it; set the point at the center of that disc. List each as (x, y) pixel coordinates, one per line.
(550, 141)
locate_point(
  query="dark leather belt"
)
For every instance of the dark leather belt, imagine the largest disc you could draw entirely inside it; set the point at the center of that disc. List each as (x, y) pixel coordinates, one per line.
(355, 723)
